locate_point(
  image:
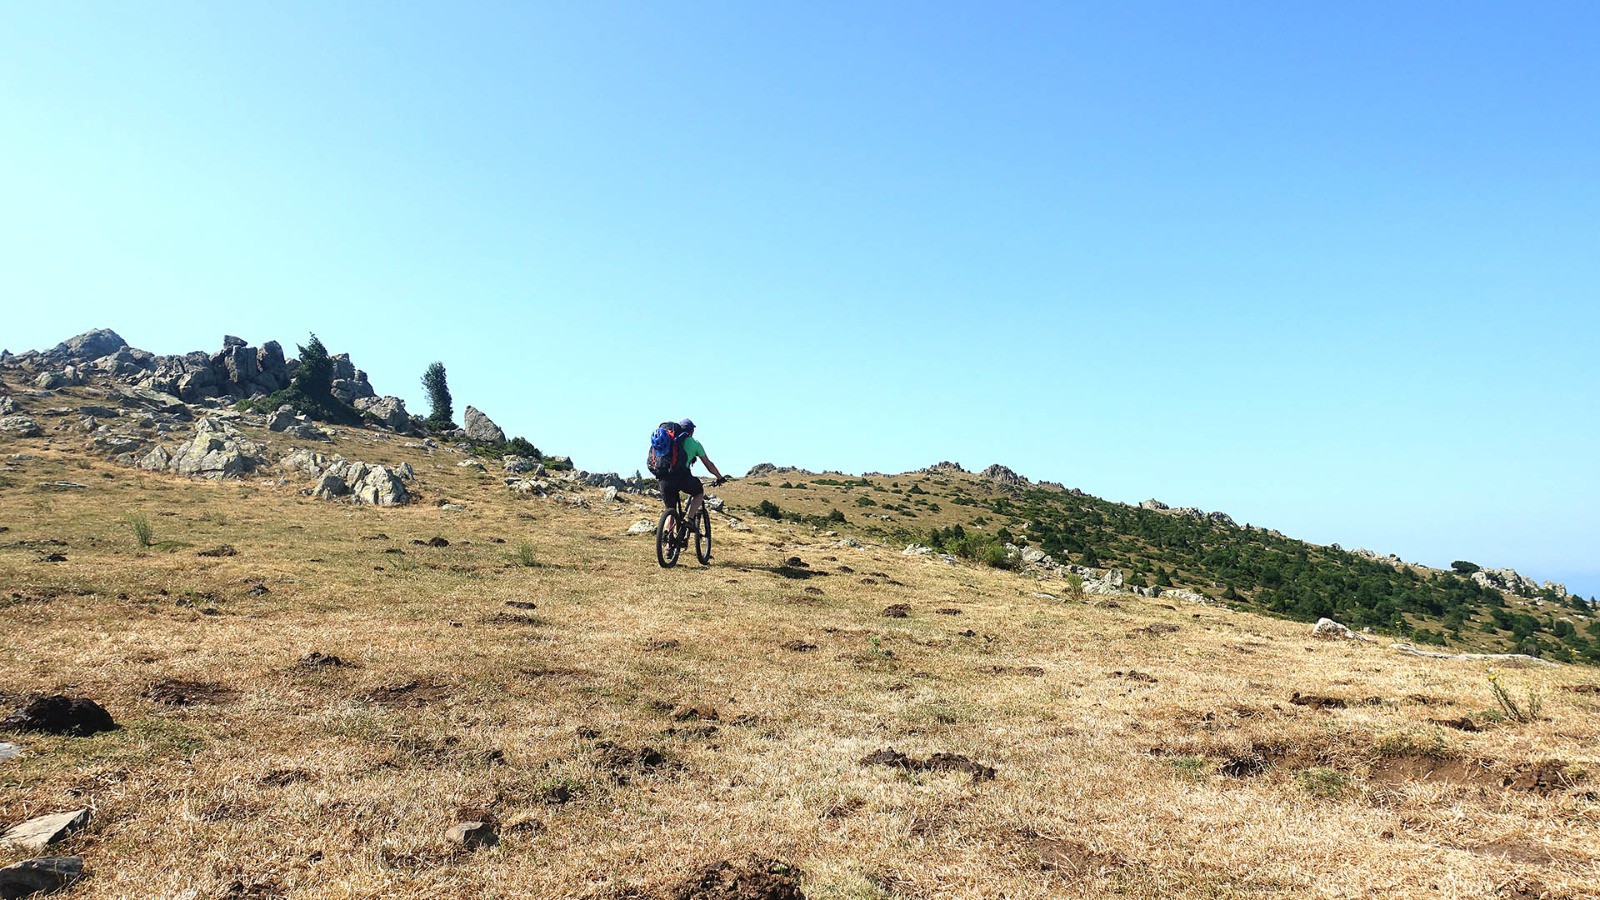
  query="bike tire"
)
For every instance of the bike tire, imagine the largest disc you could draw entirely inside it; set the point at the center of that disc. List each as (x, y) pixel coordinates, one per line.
(702, 537)
(667, 549)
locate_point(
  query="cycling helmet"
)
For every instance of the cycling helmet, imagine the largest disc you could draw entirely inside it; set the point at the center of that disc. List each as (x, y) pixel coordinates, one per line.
(687, 425)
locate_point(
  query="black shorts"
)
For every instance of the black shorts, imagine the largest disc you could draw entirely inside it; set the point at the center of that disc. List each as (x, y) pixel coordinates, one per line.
(679, 481)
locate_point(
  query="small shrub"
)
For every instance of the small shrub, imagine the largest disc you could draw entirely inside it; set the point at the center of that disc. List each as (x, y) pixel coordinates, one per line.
(524, 556)
(768, 509)
(143, 533)
(835, 517)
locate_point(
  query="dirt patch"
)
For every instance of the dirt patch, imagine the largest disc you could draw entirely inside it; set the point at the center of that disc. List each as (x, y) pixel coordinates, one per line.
(798, 646)
(1461, 724)
(1315, 701)
(624, 763)
(432, 542)
(555, 672)
(869, 581)
(846, 570)
(1582, 688)
(816, 591)
(183, 692)
(896, 611)
(1521, 888)
(844, 809)
(661, 644)
(939, 762)
(1132, 675)
(522, 604)
(1070, 858)
(512, 619)
(1155, 628)
(219, 551)
(1543, 778)
(1026, 671)
(282, 777)
(948, 611)
(748, 877)
(797, 562)
(685, 712)
(409, 694)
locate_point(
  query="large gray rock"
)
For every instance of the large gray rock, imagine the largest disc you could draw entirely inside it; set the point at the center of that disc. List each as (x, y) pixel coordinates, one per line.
(44, 875)
(302, 460)
(36, 834)
(19, 426)
(1003, 476)
(90, 345)
(391, 411)
(519, 464)
(1329, 629)
(362, 483)
(1153, 503)
(216, 451)
(8, 751)
(480, 427)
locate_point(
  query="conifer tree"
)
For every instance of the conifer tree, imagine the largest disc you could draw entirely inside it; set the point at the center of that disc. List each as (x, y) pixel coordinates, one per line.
(433, 381)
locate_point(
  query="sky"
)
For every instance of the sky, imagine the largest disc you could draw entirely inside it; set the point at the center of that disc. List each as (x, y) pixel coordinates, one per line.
(1330, 268)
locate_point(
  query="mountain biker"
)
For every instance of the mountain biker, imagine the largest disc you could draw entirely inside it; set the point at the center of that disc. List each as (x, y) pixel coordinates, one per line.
(679, 479)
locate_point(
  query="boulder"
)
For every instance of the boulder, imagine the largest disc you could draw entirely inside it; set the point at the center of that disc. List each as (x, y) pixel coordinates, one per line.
(609, 495)
(1222, 518)
(36, 834)
(90, 345)
(602, 479)
(44, 875)
(1003, 476)
(643, 526)
(715, 504)
(330, 487)
(480, 427)
(282, 419)
(369, 484)
(1153, 503)
(19, 426)
(8, 751)
(1328, 629)
(217, 451)
(520, 464)
(405, 471)
(302, 460)
(389, 411)
(1034, 556)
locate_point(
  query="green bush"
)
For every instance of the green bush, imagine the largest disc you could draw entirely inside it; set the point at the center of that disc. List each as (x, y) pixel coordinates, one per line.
(768, 509)
(143, 533)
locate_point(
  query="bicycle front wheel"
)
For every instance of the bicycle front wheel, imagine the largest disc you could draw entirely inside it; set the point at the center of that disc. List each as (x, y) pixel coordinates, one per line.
(702, 537)
(667, 548)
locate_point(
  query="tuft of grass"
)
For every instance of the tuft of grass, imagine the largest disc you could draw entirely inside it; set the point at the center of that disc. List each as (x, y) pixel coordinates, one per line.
(1192, 768)
(524, 556)
(143, 533)
(1318, 781)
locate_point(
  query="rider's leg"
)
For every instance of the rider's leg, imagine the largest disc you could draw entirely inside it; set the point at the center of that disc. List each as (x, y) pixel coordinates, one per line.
(695, 498)
(669, 496)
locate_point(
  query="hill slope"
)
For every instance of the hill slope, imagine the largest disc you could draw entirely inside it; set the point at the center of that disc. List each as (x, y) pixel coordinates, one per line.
(823, 714)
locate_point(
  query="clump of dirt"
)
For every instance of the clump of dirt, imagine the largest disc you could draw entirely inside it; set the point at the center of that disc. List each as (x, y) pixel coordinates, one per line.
(522, 604)
(259, 590)
(282, 777)
(316, 659)
(846, 570)
(813, 590)
(844, 809)
(511, 619)
(948, 611)
(749, 877)
(1133, 675)
(183, 692)
(380, 536)
(661, 644)
(938, 762)
(1316, 701)
(797, 563)
(432, 542)
(1155, 628)
(409, 694)
(1247, 763)
(1461, 724)
(896, 610)
(869, 581)
(798, 646)
(685, 712)
(59, 714)
(623, 763)
(219, 551)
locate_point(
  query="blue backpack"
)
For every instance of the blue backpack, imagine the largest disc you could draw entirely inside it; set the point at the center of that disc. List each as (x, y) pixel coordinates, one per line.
(666, 449)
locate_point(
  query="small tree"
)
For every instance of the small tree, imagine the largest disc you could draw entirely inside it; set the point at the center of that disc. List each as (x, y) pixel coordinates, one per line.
(314, 377)
(1463, 567)
(433, 381)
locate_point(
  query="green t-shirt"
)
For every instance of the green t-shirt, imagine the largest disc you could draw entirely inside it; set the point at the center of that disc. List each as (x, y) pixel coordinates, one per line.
(691, 451)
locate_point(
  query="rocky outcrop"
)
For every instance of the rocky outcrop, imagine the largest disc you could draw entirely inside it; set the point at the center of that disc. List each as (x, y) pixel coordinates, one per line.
(90, 345)
(480, 427)
(360, 482)
(350, 383)
(1003, 477)
(19, 426)
(389, 411)
(1154, 504)
(1513, 582)
(943, 468)
(216, 451)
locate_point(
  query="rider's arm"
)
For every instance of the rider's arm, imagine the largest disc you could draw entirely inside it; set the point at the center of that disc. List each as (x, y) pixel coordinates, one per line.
(711, 465)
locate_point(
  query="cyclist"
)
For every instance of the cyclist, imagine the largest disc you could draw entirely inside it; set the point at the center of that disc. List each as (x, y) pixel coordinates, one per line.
(679, 479)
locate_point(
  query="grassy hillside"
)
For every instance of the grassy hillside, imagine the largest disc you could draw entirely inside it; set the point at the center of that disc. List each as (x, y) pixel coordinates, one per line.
(1242, 566)
(628, 728)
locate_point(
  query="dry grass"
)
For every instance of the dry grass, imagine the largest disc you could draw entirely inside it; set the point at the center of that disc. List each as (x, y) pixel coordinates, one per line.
(1129, 760)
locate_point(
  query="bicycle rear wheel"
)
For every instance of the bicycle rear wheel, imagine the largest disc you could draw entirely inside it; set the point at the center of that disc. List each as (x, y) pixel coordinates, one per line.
(702, 537)
(667, 548)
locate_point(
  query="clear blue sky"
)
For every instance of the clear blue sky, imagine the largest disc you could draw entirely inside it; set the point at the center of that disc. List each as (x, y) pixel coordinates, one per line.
(1332, 268)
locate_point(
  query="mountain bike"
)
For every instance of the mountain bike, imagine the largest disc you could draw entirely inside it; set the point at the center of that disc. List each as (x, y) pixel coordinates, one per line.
(670, 546)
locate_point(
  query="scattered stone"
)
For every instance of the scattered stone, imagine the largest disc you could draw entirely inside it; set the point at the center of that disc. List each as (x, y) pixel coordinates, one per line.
(36, 834)
(9, 751)
(474, 834)
(643, 526)
(20, 426)
(749, 877)
(1508, 658)
(44, 875)
(217, 451)
(58, 714)
(1328, 629)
